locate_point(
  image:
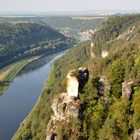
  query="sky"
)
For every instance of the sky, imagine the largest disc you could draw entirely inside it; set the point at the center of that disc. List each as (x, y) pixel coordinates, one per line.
(68, 5)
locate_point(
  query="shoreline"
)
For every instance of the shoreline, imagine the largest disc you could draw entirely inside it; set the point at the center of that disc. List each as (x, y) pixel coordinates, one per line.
(10, 78)
(28, 115)
(32, 110)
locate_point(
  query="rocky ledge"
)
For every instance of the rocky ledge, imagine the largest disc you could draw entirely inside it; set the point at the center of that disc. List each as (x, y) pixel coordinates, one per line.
(63, 108)
(67, 105)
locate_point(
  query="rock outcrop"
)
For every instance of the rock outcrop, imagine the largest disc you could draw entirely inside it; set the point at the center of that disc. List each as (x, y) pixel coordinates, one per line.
(127, 89)
(104, 53)
(136, 135)
(83, 76)
(67, 105)
(128, 34)
(63, 108)
(91, 50)
(76, 81)
(72, 83)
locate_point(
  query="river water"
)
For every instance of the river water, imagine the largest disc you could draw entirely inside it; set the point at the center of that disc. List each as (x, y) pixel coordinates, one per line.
(22, 94)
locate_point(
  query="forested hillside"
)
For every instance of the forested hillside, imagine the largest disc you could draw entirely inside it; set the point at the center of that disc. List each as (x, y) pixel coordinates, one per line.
(22, 40)
(112, 110)
(110, 99)
(114, 26)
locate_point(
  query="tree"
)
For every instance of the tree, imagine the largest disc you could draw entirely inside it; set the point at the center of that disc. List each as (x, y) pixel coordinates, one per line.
(116, 74)
(136, 109)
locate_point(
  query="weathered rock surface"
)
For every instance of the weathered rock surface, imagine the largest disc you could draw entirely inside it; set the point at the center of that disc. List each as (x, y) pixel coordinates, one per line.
(67, 105)
(76, 80)
(127, 89)
(104, 53)
(63, 107)
(72, 83)
(136, 135)
(91, 50)
(128, 34)
(83, 76)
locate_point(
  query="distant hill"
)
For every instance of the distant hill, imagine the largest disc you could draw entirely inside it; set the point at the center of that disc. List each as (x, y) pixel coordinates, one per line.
(26, 33)
(27, 39)
(114, 26)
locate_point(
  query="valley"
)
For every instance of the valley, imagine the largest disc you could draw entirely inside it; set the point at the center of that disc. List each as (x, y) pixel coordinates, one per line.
(107, 105)
(109, 102)
(25, 67)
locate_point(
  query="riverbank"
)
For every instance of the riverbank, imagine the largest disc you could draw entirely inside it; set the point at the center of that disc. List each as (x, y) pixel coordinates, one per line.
(17, 134)
(8, 73)
(34, 125)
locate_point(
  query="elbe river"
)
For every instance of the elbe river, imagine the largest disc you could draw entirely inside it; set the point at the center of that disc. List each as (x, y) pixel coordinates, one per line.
(22, 94)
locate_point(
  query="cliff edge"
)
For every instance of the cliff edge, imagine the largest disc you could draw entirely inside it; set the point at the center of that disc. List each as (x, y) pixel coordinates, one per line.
(66, 106)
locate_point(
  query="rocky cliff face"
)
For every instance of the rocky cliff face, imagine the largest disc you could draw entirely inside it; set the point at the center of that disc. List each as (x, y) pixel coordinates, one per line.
(127, 89)
(128, 34)
(72, 83)
(67, 105)
(136, 135)
(63, 108)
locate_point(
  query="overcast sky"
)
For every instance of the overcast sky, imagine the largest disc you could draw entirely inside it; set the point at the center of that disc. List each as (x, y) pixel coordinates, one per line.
(68, 5)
